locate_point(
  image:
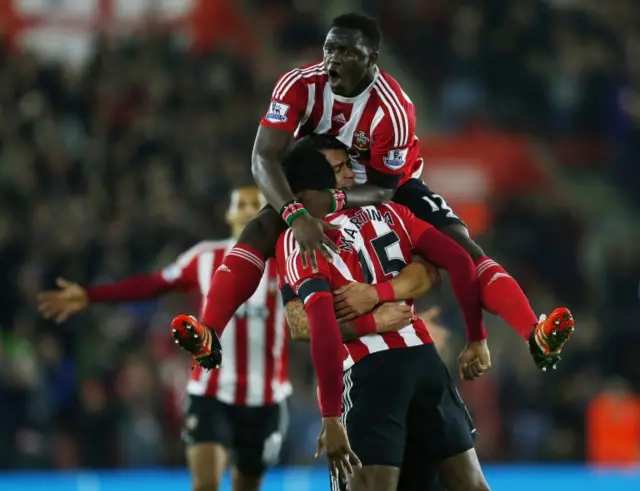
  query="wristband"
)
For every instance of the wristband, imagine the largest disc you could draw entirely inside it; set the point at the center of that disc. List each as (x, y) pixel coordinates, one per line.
(339, 200)
(385, 292)
(291, 210)
(365, 324)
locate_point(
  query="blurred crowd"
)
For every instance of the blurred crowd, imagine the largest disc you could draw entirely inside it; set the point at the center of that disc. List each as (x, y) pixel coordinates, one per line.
(117, 165)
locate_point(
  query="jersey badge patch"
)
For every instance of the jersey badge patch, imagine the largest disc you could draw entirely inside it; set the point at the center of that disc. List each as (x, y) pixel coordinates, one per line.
(361, 141)
(396, 158)
(277, 112)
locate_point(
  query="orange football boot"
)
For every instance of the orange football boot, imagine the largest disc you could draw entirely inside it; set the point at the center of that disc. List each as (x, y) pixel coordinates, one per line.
(198, 339)
(550, 335)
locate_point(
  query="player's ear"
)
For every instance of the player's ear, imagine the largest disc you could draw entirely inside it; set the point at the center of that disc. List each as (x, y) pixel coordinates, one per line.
(373, 58)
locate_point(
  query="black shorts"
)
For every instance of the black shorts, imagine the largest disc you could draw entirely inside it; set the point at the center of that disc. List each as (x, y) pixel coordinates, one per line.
(425, 204)
(252, 435)
(404, 399)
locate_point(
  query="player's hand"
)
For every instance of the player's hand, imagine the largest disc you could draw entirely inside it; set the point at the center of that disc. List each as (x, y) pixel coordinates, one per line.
(309, 232)
(354, 299)
(474, 361)
(334, 442)
(60, 304)
(391, 317)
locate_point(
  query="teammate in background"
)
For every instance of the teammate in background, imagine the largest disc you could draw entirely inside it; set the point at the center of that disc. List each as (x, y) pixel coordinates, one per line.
(240, 408)
(349, 97)
(397, 401)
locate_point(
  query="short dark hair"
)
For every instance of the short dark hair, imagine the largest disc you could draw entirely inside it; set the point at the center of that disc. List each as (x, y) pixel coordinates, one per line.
(368, 26)
(306, 168)
(320, 142)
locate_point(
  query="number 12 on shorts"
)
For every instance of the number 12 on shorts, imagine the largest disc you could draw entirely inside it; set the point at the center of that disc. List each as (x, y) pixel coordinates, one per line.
(437, 203)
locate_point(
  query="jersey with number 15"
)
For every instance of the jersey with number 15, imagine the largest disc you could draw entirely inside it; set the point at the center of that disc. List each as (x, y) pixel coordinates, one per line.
(378, 126)
(375, 243)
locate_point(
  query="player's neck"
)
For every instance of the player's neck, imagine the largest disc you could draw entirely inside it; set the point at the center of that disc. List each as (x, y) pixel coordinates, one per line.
(364, 83)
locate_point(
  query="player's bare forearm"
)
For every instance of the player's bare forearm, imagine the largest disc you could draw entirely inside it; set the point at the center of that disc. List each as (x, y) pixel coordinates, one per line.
(413, 281)
(367, 195)
(299, 324)
(269, 149)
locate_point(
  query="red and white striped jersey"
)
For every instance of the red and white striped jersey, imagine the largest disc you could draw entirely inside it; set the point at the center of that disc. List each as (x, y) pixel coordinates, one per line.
(375, 243)
(378, 125)
(254, 368)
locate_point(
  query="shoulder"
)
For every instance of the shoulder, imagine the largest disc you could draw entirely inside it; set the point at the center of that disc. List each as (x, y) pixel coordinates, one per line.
(305, 75)
(392, 89)
(395, 120)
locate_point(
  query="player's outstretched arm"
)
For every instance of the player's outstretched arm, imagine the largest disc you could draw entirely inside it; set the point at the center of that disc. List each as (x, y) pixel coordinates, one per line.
(356, 299)
(70, 297)
(389, 317)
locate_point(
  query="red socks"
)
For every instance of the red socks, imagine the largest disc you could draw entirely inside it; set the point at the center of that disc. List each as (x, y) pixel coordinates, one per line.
(502, 296)
(233, 283)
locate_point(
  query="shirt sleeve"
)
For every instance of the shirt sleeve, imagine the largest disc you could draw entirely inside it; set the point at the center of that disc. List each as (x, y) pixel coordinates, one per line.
(183, 272)
(393, 147)
(411, 223)
(288, 102)
(290, 268)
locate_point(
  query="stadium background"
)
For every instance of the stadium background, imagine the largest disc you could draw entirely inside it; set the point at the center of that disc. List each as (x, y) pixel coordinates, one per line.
(124, 123)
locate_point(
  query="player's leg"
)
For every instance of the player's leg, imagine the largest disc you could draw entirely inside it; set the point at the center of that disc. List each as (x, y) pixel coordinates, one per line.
(500, 294)
(259, 435)
(416, 474)
(442, 428)
(462, 472)
(207, 463)
(237, 279)
(207, 435)
(377, 393)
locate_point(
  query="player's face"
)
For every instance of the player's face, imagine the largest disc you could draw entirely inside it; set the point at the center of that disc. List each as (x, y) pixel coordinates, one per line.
(347, 59)
(245, 204)
(339, 160)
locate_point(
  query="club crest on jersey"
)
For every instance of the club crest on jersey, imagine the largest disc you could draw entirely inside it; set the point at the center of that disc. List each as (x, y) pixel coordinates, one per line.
(396, 158)
(277, 112)
(361, 141)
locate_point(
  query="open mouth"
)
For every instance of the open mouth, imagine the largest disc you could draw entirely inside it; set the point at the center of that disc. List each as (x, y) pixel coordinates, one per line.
(334, 76)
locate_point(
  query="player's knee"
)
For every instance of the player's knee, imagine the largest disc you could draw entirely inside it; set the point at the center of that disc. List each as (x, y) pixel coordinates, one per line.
(205, 480)
(206, 486)
(460, 234)
(263, 231)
